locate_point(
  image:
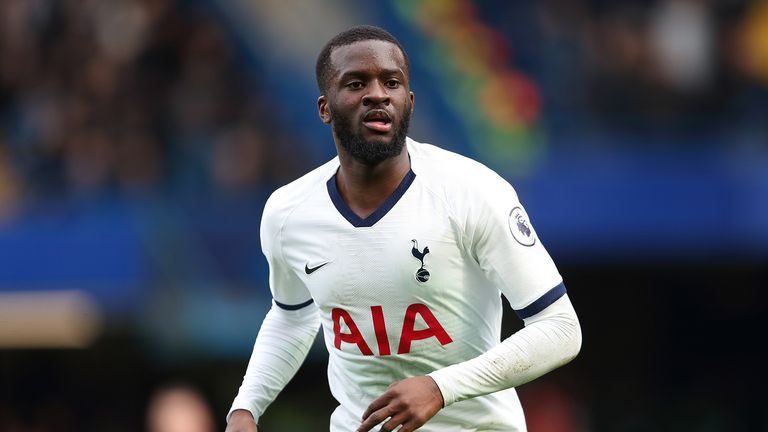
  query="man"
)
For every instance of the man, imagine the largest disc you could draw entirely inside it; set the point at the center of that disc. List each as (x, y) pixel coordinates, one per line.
(401, 251)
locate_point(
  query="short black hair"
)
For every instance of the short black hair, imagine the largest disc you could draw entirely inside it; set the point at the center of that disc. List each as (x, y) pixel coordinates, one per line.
(348, 37)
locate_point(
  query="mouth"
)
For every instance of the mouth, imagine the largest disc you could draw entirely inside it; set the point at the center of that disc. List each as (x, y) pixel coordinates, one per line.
(378, 120)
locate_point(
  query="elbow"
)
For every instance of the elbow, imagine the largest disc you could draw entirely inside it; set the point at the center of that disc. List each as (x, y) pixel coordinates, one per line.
(571, 335)
(574, 342)
(569, 338)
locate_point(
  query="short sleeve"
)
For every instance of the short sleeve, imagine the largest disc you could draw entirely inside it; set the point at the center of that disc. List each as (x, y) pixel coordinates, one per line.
(503, 241)
(288, 291)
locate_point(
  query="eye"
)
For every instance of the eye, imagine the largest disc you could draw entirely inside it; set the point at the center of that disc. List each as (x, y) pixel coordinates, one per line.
(392, 83)
(355, 85)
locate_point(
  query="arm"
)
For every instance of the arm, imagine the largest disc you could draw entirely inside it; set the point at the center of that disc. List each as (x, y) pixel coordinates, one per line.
(286, 334)
(502, 239)
(499, 236)
(550, 339)
(281, 347)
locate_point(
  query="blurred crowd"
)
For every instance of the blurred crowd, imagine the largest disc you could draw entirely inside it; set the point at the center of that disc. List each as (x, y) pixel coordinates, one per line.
(678, 67)
(129, 96)
(136, 96)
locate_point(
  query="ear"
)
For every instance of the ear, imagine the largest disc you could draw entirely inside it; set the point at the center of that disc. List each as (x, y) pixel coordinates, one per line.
(410, 93)
(322, 109)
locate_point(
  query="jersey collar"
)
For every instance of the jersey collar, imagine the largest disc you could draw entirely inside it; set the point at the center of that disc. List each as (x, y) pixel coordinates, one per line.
(379, 213)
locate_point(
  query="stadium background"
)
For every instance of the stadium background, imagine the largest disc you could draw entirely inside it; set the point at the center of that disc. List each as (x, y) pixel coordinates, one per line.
(140, 138)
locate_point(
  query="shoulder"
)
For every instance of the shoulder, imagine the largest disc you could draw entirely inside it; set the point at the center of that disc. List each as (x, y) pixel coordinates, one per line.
(449, 172)
(287, 198)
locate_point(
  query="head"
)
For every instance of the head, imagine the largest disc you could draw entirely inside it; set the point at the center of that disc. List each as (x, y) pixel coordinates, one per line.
(363, 76)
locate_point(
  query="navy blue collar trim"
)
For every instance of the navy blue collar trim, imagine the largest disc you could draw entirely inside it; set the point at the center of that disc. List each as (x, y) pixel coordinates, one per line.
(380, 212)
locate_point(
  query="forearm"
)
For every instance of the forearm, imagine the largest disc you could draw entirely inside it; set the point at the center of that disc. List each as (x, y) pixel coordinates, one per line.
(549, 340)
(281, 346)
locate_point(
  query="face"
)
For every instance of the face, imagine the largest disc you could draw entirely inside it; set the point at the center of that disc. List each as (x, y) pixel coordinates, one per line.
(368, 102)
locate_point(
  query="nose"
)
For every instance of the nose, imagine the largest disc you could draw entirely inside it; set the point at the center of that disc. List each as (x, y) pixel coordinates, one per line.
(377, 94)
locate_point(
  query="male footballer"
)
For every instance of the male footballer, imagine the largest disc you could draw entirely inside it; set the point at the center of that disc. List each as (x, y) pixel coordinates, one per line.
(400, 251)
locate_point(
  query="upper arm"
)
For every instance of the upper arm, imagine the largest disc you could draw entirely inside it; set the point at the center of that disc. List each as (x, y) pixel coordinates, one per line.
(288, 290)
(508, 250)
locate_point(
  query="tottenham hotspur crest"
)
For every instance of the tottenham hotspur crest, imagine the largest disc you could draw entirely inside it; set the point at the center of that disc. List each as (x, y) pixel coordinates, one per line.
(422, 275)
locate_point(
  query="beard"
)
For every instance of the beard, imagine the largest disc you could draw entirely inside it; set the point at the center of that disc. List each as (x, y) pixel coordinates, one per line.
(370, 152)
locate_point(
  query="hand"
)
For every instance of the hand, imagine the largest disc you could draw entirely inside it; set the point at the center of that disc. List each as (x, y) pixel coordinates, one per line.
(241, 421)
(410, 403)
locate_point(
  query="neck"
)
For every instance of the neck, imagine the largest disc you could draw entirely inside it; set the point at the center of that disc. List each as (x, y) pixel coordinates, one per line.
(365, 187)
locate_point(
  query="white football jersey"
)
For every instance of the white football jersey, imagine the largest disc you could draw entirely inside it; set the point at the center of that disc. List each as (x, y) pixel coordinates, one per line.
(414, 287)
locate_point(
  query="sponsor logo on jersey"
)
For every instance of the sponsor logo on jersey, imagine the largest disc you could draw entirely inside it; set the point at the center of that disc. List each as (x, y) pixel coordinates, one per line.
(422, 275)
(346, 331)
(520, 227)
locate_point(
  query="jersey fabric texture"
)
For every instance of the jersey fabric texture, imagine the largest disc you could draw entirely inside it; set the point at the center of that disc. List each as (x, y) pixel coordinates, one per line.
(414, 287)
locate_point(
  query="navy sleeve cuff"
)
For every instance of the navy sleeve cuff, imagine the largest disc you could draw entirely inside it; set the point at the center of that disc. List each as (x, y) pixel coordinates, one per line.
(294, 306)
(542, 302)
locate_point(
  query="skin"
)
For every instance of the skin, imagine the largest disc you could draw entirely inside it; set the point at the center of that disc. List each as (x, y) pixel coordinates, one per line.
(241, 421)
(410, 403)
(367, 75)
(371, 75)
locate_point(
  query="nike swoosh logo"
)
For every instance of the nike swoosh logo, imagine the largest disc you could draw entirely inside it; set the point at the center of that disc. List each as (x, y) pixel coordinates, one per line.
(310, 270)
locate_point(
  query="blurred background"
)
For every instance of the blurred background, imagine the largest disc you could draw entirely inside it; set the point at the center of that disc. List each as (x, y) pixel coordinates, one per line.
(139, 140)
